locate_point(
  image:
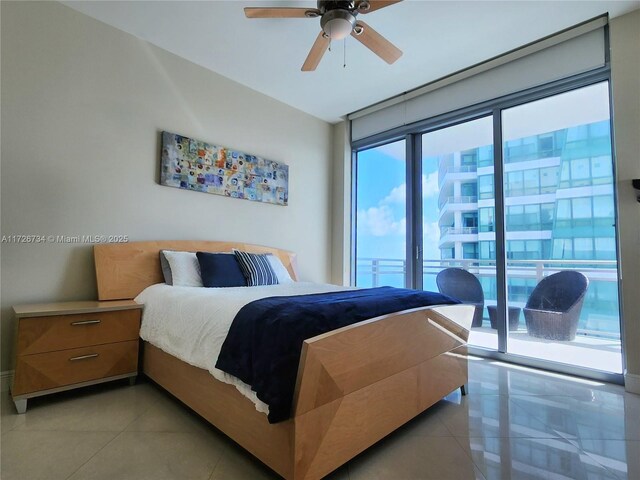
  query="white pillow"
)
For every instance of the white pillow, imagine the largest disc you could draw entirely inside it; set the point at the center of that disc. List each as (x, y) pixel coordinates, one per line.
(279, 269)
(185, 269)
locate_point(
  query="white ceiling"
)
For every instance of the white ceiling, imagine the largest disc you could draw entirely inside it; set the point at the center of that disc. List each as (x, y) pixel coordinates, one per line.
(437, 38)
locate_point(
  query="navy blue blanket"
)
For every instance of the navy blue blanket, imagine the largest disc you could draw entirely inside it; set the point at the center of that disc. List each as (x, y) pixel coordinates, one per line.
(264, 343)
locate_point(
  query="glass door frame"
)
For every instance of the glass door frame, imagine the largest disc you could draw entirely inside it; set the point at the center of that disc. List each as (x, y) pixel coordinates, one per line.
(412, 133)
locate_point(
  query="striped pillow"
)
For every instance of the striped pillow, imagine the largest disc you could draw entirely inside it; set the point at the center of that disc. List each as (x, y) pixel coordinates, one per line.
(256, 268)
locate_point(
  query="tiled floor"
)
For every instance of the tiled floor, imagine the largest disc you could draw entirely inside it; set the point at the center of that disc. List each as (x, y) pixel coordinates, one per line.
(515, 424)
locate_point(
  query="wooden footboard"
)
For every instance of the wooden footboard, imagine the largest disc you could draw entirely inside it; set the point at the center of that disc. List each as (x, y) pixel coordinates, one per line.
(360, 383)
(355, 385)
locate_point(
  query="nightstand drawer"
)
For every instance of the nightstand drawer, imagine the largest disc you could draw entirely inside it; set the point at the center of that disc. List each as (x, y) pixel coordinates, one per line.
(45, 371)
(61, 332)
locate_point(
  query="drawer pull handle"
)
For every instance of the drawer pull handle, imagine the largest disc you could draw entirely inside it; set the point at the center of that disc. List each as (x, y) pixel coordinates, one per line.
(85, 322)
(83, 357)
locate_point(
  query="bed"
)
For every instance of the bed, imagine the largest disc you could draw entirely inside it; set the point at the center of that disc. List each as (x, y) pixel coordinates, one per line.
(354, 385)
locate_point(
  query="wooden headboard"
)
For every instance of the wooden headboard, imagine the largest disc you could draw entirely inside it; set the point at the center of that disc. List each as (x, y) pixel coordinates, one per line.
(123, 270)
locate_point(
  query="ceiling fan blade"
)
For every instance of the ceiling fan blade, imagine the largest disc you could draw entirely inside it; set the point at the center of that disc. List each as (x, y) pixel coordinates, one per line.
(377, 5)
(316, 53)
(279, 12)
(377, 43)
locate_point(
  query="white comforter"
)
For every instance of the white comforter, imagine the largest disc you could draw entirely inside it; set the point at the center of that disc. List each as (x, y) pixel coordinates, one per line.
(191, 323)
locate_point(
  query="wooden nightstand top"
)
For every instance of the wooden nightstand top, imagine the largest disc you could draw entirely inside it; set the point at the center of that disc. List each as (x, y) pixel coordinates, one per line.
(68, 308)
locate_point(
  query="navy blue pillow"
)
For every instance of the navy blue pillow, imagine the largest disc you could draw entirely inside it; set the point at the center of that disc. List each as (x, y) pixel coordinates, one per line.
(220, 270)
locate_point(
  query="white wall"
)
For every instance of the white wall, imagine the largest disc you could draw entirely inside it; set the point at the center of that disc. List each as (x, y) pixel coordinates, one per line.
(625, 85)
(82, 107)
(341, 205)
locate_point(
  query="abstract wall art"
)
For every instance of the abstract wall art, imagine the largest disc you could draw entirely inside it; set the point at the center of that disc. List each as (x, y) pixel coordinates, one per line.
(196, 165)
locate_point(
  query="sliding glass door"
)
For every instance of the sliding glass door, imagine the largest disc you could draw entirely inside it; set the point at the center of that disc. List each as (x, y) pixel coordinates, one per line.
(524, 231)
(454, 160)
(562, 275)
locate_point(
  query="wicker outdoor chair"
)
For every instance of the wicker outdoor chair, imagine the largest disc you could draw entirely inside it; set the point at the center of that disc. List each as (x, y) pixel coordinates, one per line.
(553, 309)
(464, 286)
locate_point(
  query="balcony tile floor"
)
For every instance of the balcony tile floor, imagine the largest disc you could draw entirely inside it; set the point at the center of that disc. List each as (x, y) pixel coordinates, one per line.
(586, 351)
(516, 423)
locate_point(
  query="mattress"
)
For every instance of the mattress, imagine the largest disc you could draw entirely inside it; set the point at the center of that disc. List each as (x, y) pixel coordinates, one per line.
(191, 323)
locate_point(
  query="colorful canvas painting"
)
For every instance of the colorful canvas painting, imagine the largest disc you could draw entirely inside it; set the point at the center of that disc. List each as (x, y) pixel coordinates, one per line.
(202, 167)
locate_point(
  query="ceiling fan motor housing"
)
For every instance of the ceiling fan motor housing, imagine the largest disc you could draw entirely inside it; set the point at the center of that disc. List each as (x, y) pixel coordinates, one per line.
(338, 19)
(326, 5)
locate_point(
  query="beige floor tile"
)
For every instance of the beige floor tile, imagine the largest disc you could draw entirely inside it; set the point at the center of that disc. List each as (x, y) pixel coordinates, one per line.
(402, 457)
(603, 416)
(513, 424)
(427, 424)
(47, 455)
(168, 414)
(108, 407)
(154, 456)
(9, 418)
(340, 474)
(491, 416)
(532, 458)
(236, 464)
(622, 457)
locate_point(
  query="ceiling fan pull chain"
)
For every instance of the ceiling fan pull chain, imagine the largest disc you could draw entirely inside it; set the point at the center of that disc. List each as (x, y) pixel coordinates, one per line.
(344, 60)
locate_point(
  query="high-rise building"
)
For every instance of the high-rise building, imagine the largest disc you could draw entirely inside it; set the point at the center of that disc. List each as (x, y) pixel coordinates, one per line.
(559, 206)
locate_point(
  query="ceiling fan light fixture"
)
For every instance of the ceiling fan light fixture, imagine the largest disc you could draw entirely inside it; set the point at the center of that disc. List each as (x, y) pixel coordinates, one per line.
(338, 24)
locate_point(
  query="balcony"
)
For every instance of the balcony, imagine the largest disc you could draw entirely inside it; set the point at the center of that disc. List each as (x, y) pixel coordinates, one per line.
(458, 231)
(448, 205)
(597, 344)
(457, 201)
(447, 169)
(450, 235)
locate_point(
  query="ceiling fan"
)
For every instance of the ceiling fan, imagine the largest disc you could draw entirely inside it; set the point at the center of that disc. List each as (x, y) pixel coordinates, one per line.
(338, 19)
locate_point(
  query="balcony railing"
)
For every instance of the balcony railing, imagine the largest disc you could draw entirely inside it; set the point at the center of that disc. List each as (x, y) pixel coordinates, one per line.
(522, 276)
(454, 200)
(458, 231)
(449, 167)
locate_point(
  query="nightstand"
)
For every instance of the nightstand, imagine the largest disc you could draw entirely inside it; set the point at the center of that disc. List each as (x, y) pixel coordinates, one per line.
(61, 346)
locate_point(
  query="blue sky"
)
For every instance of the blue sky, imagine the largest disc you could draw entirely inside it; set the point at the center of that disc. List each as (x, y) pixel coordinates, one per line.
(381, 203)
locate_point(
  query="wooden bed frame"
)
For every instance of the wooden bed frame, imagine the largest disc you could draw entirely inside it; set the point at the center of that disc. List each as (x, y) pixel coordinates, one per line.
(355, 385)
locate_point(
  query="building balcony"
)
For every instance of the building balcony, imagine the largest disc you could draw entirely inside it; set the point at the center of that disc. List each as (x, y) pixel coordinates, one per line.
(448, 171)
(450, 235)
(471, 201)
(449, 165)
(448, 205)
(458, 230)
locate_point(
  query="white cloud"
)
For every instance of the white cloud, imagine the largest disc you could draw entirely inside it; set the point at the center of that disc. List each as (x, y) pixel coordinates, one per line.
(430, 185)
(399, 194)
(396, 195)
(431, 238)
(379, 222)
